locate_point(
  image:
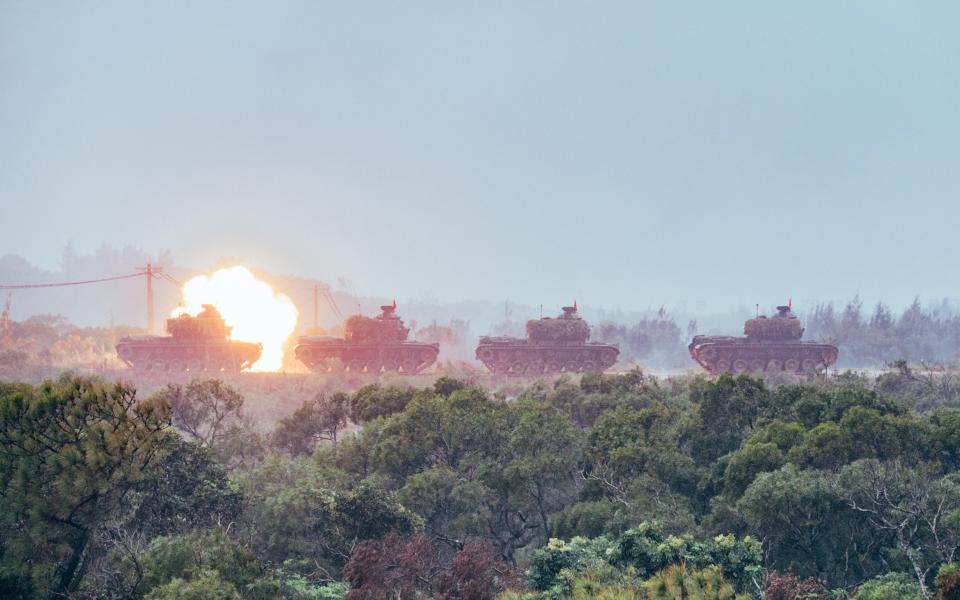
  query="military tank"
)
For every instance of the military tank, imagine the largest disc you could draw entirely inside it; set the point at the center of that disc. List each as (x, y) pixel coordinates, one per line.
(771, 344)
(552, 346)
(200, 343)
(371, 345)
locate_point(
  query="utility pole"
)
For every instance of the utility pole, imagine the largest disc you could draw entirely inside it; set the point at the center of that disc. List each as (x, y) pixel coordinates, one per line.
(5, 320)
(150, 323)
(150, 271)
(316, 302)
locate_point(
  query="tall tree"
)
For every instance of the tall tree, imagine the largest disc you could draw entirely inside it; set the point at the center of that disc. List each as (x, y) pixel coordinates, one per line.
(913, 506)
(318, 419)
(203, 409)
(71, 453)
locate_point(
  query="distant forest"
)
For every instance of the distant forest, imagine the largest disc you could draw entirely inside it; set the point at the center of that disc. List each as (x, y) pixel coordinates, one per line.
(918, 335)
(656, 341)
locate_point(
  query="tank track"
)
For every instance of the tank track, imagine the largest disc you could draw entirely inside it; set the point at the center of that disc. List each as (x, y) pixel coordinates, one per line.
(329, 356)
(736, 355)
(515, 357)
(163, 354)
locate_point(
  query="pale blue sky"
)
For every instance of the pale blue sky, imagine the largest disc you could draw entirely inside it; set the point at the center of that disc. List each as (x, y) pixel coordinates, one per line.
(625, 154)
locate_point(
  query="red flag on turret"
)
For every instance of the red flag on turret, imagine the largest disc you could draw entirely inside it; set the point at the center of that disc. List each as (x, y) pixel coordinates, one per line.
(574, 305)
(790, 303)
(394, 302)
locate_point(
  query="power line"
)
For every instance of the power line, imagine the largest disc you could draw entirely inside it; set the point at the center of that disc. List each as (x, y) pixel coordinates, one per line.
(149, 273)
(324, 290)
(67, 283)
(171, 279)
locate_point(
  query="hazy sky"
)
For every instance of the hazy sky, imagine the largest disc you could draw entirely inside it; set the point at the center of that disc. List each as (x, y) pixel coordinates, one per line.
(624, 154)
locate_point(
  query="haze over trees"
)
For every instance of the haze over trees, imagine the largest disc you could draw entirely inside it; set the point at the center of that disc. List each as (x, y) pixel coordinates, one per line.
(43, 324)
(879, 336)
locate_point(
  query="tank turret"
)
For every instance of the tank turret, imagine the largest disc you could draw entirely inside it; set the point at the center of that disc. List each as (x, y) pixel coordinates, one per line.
(553, 345)
(782, 327)
(771, 344)
(385, 328)
(568, 327)
(371, 345)
(207, 324)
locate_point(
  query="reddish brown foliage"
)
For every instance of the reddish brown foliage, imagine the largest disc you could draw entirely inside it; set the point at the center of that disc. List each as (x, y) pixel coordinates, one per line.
(401, 568)
(474, 574)
(391, 567)
(787, 586)
(948, 585)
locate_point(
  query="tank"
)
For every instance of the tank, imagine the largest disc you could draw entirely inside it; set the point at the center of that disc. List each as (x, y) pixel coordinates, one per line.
(552, 346)
(371, 345)
(200, 343)
(770, 344)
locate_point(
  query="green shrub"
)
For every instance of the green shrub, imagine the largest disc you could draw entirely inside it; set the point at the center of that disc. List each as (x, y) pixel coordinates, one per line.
(891, 586)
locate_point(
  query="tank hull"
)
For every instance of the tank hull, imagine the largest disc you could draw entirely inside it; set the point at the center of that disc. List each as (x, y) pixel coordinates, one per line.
(169, 354)
(743, 355)
(335, 355)
(518, 357)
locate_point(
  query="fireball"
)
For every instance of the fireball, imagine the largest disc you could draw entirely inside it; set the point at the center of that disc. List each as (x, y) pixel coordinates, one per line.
(251, 307)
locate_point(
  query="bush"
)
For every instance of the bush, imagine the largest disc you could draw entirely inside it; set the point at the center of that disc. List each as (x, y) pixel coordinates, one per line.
(372, 401)
(788, 586)
(202, 565)
(892, 586)
(206, 585)
(558, 556)
(317, 419)
(678, 583)
(948, 582)
(300, 588)
(588, 518)
(648, 550)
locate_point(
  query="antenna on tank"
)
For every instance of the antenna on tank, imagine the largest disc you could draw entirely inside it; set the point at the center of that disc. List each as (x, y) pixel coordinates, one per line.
(541, 311)
(758, 310)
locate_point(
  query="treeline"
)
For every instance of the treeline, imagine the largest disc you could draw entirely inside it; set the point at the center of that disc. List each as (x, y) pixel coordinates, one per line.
(879, 337)
(656, 340)
(44, 341)
(619, 487)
